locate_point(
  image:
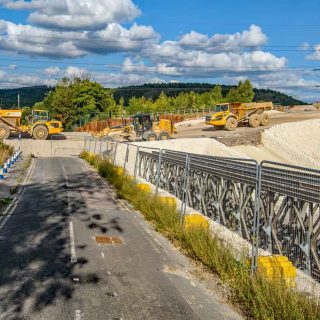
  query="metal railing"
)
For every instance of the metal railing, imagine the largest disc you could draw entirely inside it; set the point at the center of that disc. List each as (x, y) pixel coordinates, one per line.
(274, 206)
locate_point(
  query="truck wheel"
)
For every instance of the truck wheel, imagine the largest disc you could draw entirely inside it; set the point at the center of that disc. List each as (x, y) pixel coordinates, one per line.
(254, 121)
(40, 132)
(4, 131)
(264, 119)
(218, 127)
(231, 124)
(164, 135)
(150, 136)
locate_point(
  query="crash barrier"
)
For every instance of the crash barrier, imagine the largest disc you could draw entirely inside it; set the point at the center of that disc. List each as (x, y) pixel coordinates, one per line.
(274, 206)
(9, 163)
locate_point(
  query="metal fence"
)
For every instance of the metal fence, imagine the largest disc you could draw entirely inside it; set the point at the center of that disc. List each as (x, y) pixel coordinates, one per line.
(274, 206)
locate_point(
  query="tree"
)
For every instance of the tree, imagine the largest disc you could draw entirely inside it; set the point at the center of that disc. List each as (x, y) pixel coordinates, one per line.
(242, 93)
(74, 98)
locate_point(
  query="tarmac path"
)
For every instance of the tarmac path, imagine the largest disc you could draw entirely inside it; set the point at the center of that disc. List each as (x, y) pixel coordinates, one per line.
(54, 267)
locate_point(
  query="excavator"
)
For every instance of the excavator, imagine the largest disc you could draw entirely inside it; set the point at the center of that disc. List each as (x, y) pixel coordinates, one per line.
(143, 127)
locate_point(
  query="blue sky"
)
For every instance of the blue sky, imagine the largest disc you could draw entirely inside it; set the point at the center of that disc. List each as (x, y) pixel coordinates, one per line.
(275, 44)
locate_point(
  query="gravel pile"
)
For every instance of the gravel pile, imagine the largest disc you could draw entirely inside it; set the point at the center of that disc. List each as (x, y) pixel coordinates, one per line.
(298, 142)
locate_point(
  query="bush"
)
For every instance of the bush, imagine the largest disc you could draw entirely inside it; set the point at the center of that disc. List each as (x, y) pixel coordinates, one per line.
(5, 152)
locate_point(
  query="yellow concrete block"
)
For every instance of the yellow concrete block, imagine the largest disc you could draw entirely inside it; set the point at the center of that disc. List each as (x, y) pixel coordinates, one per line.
(196, 221)
(280, 259)
(266, 272)
(289, 272)
(277, 271)
(169, 201)
(264, 261)
(144, 187)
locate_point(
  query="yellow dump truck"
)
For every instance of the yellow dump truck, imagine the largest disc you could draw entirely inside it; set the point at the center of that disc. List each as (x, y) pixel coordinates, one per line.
(37, 124)
(228, 115)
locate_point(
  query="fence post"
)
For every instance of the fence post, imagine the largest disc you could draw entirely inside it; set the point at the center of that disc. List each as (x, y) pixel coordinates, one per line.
(136, 162)
(256, 222)
(100, 147)
(90, 144)
(126, 157)
(95, 145)
(107, 150)
(184, 200)
(115, 152)
(158, 172)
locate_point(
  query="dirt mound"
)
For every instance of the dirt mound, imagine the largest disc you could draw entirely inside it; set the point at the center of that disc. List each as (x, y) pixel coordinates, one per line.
(205, 146)
(297, 142)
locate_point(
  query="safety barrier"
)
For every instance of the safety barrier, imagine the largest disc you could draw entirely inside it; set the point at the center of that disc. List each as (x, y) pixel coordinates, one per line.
(274, 206)
(9, 163)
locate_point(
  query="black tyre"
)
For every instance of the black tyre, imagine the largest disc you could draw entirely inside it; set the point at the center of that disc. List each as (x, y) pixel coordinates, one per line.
(40, 132)
(150, 136)
(231, 124)
(4, 131)
(164, 135)
(264, 119)
(254, 121)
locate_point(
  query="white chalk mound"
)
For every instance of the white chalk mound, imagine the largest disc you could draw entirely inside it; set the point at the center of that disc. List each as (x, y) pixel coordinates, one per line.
(297, 142)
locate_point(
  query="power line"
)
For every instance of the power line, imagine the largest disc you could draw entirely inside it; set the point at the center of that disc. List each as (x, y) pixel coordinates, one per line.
(146, 68)
(148, 41)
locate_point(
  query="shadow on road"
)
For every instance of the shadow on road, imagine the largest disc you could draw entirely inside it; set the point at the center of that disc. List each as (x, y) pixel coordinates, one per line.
(36, 270)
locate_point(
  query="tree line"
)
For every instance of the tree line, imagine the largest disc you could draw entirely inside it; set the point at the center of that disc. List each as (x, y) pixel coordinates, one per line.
(74, 99)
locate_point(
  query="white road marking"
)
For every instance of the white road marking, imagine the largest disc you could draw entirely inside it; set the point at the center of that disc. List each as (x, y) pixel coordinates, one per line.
(67, 184)
(8, 212)
(10, 209)
(79, 315)
(72, 245)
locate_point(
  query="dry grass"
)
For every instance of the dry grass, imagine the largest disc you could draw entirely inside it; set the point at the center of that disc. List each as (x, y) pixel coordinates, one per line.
(258, 298)
(5, 152)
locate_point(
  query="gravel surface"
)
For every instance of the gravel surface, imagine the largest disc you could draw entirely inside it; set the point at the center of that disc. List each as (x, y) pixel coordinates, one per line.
(298, 142)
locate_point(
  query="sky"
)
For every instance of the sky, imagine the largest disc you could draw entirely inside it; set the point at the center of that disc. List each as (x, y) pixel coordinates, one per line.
(274, 43)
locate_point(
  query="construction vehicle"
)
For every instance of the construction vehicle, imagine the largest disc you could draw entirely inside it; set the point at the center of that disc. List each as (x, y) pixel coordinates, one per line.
(143, 128)
(37, 123)
(229, 115)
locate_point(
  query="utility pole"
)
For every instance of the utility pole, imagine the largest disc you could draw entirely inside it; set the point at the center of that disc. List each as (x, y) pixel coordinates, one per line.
(18, 100)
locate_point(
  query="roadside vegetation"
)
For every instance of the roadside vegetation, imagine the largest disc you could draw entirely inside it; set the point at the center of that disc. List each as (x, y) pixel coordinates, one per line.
(5, 152)
(258, 298)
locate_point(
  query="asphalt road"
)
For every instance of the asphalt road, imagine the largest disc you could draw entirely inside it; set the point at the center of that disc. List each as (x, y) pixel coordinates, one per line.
(52, 267)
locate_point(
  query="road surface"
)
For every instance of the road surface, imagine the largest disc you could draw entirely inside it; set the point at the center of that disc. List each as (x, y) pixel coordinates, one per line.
(52, 266)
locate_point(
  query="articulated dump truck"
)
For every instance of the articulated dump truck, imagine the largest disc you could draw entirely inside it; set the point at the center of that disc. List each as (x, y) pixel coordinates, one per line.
(37, 124)
(229, 115)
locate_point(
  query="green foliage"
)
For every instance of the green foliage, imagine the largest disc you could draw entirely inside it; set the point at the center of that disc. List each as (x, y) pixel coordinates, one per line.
(258, 298)
(74, 98)
(242, 93)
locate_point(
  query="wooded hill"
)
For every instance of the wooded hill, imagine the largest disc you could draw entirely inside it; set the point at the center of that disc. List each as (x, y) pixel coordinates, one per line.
(30, 95)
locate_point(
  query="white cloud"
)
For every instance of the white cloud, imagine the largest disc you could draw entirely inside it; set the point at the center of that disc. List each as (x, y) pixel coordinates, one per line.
(52, 71)
(76, 14)
(35, 41)
(316, 54)
(252, 38)
(76, 72)
(23, 80)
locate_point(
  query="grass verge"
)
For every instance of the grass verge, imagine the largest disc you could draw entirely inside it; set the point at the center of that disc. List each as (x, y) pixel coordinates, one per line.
(5, 152)
(258, 298)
